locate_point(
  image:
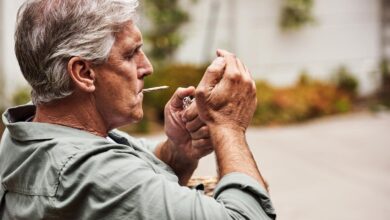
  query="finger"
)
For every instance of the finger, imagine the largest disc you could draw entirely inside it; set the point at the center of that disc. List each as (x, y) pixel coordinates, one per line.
(194, 125)
(243, 69)
(205, 152)
(177, 98)
(202, 144)
(201, 133)
(190, 113)
(246, 68)
(231, 63)
(213, 73)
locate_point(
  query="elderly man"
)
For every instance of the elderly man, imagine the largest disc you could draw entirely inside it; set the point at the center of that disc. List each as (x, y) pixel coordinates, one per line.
(62, 158)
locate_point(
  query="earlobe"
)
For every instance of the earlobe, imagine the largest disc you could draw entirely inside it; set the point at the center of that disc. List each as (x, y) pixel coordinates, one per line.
(82, 74)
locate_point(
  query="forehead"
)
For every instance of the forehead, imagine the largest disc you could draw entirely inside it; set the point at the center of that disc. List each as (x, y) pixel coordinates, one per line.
(129, 36)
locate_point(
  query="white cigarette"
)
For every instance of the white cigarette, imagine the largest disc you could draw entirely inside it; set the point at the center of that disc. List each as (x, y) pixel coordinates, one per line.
(154, 89)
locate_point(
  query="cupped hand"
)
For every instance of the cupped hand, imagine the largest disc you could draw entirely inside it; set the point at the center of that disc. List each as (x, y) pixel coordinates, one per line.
(226, 95)
(188, 134)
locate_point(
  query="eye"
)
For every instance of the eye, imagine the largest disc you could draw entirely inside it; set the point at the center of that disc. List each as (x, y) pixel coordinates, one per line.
(131, 54)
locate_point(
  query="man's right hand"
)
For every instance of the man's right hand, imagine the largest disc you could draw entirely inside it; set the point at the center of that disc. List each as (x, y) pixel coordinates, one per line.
(226, 95)
(226, 101)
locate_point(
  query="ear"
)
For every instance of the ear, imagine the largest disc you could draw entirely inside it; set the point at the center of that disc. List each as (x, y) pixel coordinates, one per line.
(82, 74)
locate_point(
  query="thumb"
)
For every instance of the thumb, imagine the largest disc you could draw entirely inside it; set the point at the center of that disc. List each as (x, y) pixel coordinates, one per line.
(177, 98)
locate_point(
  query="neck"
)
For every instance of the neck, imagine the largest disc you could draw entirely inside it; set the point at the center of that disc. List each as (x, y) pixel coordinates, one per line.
(76, 111)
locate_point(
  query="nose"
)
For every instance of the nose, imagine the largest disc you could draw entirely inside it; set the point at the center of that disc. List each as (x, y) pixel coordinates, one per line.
(145, 68)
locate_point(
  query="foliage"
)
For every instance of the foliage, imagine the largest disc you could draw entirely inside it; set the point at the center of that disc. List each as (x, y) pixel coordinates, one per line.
(299, 103)
(296, 13)
(21, 96)
(346, 81)
(166, 17)
(384, 90)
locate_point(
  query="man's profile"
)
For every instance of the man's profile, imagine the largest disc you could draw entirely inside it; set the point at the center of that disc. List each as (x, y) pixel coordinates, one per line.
(61, 157)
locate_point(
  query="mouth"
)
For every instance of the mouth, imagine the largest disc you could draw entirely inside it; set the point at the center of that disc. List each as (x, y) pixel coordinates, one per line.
(141, 89)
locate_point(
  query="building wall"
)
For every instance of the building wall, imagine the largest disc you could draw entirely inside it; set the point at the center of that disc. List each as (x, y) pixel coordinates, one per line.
(347, 32)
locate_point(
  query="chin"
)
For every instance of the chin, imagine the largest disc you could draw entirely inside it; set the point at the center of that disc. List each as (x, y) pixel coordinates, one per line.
(137, 119)
(137, 116)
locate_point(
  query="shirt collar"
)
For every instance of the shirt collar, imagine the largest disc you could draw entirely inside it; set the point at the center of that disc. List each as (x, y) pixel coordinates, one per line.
(15, 121)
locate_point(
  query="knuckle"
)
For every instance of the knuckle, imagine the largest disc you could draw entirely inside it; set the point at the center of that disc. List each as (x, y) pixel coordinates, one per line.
(213, 69)
(200, 93)
(247, 81)
(235, 76)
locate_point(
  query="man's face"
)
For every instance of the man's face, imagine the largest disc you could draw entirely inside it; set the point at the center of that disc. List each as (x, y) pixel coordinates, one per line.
(119, 81)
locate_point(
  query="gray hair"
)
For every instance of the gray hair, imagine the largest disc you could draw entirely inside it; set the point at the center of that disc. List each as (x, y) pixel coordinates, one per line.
(50, 32)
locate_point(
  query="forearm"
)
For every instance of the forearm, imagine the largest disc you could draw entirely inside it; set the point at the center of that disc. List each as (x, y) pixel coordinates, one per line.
(233, 154)
(183, 167)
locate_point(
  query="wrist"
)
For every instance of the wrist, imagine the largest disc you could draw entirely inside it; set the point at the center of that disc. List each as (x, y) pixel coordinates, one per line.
(174, 158)
(226, 130)
(180, 164)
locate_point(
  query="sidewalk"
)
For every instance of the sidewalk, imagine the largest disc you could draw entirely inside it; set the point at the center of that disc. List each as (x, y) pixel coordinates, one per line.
(329, 169)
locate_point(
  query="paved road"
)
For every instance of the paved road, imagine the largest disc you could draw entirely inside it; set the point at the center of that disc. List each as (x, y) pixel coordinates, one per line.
(329, 169)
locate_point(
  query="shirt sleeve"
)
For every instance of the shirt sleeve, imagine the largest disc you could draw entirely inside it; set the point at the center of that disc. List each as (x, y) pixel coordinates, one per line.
(117, 184)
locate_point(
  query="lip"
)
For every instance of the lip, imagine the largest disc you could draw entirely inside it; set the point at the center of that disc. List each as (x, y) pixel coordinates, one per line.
(141, 88)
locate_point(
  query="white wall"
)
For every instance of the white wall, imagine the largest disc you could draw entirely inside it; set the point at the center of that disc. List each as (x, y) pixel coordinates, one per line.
(12, 75)
(1, 54)
(347, 33)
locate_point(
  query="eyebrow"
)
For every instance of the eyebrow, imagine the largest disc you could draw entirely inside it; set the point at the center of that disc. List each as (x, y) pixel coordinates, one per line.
(133, 49)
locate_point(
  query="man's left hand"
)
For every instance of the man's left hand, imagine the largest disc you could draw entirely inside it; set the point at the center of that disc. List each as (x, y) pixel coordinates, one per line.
(188, 137)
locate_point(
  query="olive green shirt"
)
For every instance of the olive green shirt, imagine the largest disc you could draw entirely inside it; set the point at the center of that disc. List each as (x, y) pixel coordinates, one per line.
(49, 171)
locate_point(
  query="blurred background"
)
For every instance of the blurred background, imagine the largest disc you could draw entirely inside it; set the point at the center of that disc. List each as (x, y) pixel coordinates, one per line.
(310, 59)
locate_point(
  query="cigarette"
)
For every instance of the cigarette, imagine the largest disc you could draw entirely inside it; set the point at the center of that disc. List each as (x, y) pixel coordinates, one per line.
(154, 89)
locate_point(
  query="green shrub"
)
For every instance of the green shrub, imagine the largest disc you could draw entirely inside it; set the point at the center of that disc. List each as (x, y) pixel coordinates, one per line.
(21, 96)
(298, 103)
(384, 89)
(296, 13)
(346, 81)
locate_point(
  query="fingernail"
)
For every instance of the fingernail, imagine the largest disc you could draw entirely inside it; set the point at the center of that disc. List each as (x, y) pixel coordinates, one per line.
(184, 119)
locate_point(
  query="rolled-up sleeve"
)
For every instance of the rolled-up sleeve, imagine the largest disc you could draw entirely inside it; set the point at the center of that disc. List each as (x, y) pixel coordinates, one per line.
(244, 196)
(120, 185)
